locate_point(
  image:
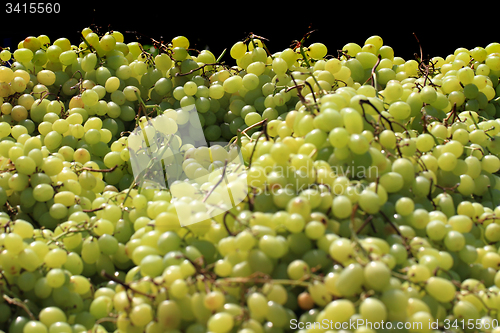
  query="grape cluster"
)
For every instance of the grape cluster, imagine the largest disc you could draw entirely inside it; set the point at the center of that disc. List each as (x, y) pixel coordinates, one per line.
(354, 186)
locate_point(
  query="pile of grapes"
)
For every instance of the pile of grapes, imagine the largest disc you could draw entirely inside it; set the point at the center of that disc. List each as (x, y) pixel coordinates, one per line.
(332, 191)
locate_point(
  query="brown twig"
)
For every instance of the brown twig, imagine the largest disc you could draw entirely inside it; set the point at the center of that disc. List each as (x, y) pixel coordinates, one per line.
(100, 170)
(125, 285)
(19, 303)
(379, 58)
(197, 69)
(218, 182)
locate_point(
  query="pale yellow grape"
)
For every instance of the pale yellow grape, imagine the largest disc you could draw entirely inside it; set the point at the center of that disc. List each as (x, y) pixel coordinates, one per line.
(112, 84)
(373, 310)
(220, 322)
(233, 84)
(6, 74)
(441, 289)
(238, 50)
(339, 311)
(317, 50)
(46, 77)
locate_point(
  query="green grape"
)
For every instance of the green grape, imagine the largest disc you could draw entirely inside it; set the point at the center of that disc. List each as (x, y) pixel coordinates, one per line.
(418, 273)
(29, 260)
(369, 201)
(34, 326)
(90, 250)
(5, 55)
(51, 315)
(79, 284)
(214, 300)
(66, 198)
(466, 310)
(314, 230)
(272, 246)
(257, 304)
(101, 306)
(46, 77)
(358, 144)
(26, 281)
(233, 84)
(67, 57)
(43, 192)
(373, 310)
(179, 289)
(377, 275)
(339, 311)
(107, 42)
(428, 94)
(220, 322)
(169, 314)
(454, 240)
(13, 243)
(23, 55)
(404, 206)
(55, 258)
(441, 289)
(108, 244)
(400, 110)
(297, 269)
(89, 62)
(56, 278)
(436, 230)
(490, 163)
(350, 280)
(460, 223)
(151, 265)
(339, 137)
(25, 165)
(393, 91)
(470, 91)
(353, 121)
(319, 293)
(317, 50)
(405, 168)
(425, 142)
(52, 140)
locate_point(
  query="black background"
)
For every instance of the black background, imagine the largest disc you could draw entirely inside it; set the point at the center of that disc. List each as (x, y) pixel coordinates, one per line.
(217, 25)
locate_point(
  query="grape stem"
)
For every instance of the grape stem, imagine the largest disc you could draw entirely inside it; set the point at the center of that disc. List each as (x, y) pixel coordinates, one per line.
(244, 132)
(93, 210)
(429, 195)
(366, 101)
(222, 178)
(299, 92)
(19, 303)
(304, 56)
(80, 227)
(419, 46)
(373, 76)
(260, 278)
(92, 49)
(365, 223)
(253, 36)
(354, 235)
(102, 320)
(405, 244)
(225, 222)
(198, 68)
(125, 285)
(100, 170)
(264, 131)
(453, 114)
